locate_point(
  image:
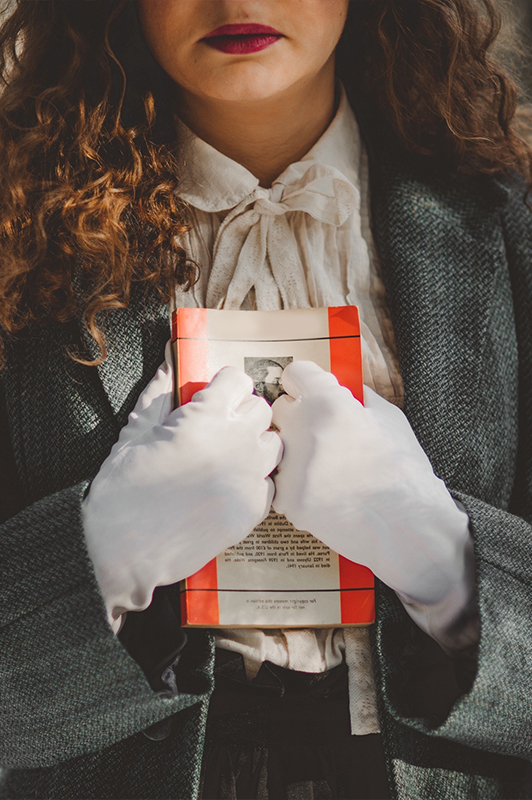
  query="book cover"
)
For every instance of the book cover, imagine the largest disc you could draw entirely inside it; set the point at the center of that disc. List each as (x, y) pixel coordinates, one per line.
(278, 577)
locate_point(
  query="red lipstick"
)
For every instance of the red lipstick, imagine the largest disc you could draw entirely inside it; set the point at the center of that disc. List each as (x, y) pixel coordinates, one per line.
(242, 38)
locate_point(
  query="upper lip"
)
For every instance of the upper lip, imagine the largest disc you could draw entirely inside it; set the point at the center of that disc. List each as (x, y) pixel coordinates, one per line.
(242, 29)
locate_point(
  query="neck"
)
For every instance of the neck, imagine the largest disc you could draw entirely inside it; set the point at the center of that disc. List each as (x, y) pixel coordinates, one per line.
(265, 135)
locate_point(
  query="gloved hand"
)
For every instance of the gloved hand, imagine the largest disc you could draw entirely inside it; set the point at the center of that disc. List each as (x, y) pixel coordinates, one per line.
(179, 486)
(357, 478)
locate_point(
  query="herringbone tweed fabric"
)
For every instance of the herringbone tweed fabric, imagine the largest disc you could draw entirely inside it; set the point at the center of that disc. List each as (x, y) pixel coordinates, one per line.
(457, 263)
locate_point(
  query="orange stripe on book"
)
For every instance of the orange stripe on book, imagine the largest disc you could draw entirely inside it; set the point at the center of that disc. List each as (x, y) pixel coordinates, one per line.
(346, 357)
(358, 606)
(202, 606)
(354, 576)
(192, 351)
(346, 364)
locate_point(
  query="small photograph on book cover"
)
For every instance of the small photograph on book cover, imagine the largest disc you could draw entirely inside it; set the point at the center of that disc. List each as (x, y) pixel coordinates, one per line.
(266, 374)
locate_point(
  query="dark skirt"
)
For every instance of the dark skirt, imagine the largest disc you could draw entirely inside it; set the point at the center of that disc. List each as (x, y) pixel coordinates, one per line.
(285, 736)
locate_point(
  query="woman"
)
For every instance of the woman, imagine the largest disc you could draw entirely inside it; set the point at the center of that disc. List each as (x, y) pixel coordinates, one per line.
(144, 148)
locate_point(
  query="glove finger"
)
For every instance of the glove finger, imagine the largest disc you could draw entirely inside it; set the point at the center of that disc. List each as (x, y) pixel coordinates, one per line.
(154, 404)
(305, 377)
(229, 388)
(374, 402)
(395, 422)
(256, 412)
(282, 410)
(272, 449)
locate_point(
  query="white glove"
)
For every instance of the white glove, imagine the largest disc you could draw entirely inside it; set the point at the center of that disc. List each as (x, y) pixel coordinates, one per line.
(357, 478)
(179, 486)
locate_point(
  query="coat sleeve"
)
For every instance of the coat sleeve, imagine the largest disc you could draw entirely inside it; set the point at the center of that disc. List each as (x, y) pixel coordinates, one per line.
(68, 685)
(489, 709)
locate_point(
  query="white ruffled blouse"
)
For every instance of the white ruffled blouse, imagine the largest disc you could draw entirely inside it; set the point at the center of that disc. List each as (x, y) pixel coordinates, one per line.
(304, 242)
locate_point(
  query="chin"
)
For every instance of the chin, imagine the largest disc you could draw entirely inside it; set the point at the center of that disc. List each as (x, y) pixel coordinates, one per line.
(245, 88)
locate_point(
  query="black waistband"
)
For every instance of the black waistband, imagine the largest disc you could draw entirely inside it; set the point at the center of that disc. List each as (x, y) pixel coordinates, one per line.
(277, 692)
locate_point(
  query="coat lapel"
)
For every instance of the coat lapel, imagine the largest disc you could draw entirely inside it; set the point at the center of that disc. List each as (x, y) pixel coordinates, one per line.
(443, 257)
(444, 264)
(135, 338)
(80, 409)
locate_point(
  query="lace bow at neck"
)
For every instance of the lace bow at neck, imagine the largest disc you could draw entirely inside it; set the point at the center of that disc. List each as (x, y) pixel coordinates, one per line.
(255, 245)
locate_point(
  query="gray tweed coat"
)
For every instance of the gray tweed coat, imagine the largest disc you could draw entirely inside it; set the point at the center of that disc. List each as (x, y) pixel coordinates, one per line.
(75, 700)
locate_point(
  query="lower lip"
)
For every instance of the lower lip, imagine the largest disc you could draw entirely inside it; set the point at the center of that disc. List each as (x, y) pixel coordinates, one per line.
(238, 45)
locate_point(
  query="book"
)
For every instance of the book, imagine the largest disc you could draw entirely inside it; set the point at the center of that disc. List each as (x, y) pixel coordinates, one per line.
(278, 577)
